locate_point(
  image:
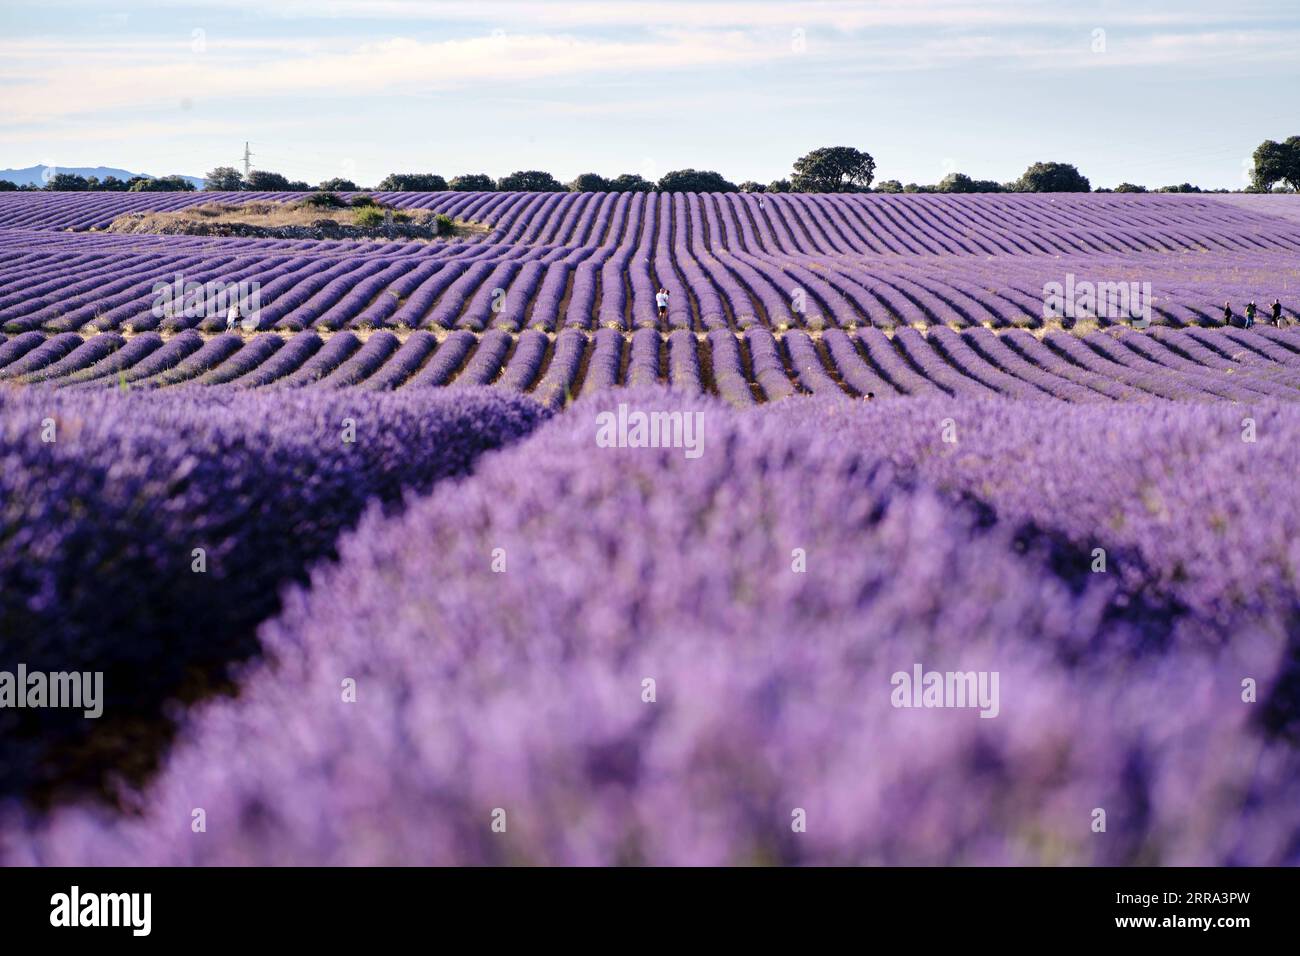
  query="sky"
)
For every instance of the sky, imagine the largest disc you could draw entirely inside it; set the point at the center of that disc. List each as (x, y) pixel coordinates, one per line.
(1150, 93)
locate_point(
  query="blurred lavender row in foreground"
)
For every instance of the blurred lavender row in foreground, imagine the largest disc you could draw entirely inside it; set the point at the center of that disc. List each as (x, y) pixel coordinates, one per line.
(522, 687)
(146, 536)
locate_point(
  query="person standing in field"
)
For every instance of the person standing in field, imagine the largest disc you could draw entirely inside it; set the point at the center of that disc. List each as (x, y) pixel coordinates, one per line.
(1277, 313)
(1250, 313)
(232, 316)
(1227, 313)
(661, 300)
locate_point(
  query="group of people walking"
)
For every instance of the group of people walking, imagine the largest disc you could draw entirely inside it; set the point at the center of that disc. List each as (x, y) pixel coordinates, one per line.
(1275, 311)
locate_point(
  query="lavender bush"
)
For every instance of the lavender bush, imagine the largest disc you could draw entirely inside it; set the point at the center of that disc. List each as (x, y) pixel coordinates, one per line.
(107, 497)
(770, 589)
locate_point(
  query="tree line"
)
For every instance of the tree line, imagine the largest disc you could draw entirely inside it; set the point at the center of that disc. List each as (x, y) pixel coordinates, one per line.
(830, 169)
(72, 182)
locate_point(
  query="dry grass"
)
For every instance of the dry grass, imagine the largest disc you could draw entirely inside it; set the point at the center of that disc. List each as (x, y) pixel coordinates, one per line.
(280, 215)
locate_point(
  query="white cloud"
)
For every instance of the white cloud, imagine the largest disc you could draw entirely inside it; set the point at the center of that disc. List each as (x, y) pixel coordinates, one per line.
(43, 82)
(525, 15)
(49, 78)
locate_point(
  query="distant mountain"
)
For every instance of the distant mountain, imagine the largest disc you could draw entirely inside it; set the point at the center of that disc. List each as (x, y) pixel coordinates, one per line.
(36, 175)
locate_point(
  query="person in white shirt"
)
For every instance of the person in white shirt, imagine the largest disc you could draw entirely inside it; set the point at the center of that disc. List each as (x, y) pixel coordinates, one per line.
(661, 300)
(232, 317)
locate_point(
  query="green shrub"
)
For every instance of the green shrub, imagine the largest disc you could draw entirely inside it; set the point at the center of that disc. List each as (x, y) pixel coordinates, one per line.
(363, 200)
(324, 201)
(444, 224)
(369, 217)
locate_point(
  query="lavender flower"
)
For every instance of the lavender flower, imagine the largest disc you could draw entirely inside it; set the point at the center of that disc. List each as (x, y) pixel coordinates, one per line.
(101, 519)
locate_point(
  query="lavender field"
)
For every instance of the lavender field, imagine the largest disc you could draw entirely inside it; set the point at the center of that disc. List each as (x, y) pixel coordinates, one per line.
(769, 295)
(382, 575)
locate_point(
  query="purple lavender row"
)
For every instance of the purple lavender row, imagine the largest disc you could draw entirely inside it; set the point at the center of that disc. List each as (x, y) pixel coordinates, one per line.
(1171, 353)
(960, 354)
(365, 362)
(614, 301)
(683, 362)
(205, 359)
(991, 348)
(113, 365)
(33, 311)
(253, 354)
(556, 386)
(485, 364)
(332, 354)
(1151, 375)
(880, 350)
(1215, 545)
(525, 363)
(168, 356)
(554, 281)
(341, 298)
(769, 370)
(385, 306)
(728, 373)
(406, 361)
(47, 353)
(100, 527)
(913, 345)
(808, 367)
(446, 361)
(665, 269)
(896, 575)
(18, 346)
(643, 361)
(1037, 352)
(603, 366)
(296, 351)
(853, 369)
